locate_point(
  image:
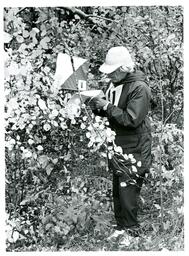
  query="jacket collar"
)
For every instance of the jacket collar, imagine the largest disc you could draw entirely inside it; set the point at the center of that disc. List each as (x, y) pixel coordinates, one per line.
(132, 77)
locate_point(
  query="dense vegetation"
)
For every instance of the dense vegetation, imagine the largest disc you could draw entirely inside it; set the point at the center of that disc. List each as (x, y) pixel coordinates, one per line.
(58, 188)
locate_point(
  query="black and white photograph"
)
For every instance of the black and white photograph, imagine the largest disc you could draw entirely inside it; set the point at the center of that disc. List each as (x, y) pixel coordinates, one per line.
(93, 128)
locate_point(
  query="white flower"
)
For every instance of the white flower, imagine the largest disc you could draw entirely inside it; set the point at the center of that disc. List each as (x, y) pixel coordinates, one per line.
(126, 156)
(134, 169)
(103, 154)
(34, 155)
(90, 144)
(90, 128)
(46, 127)
(54, 123)
(54, 112)
(33, 122)
(126, 241)
(118, 149)
(93, 138)
(96, 125)
(130, 156)
(73, 121)
(84, 118)
(39, 147)
(63, 126)
(180, 210)
(82, 126)
(101, 127)
(15, 236)
(97, 119)
(133, 160)
(12, 141)
(27, 154)
(30, 141)
(36, 30)
(139, 163)
(108, 132)
(42, 104)
(88, 135)
(62, 111)
(123, 184)
(99, 139)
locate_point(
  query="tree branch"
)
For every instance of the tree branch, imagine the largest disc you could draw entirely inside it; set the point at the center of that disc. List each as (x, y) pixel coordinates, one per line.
(103, 18)
(84, 15)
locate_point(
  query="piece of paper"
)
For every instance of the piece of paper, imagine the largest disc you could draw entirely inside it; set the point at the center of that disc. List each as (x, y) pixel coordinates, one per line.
(84, 95)
(91, 94)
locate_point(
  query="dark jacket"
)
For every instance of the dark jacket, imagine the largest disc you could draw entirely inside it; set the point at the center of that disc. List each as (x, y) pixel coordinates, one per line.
(129, 119)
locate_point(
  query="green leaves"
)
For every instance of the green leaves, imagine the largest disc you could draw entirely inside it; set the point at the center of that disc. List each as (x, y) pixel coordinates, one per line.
(170, 38)
(19, 39)
(47, 163)
(43, 160)
(42, 104)
(7, 38)
(44, 42)
(25, 34)
(49, 169)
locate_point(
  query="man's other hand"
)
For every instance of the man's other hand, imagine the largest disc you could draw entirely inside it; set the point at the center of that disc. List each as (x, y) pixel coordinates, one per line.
(99, 102)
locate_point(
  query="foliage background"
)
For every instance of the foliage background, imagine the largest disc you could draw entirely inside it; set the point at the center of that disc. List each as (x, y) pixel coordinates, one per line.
(58, 191)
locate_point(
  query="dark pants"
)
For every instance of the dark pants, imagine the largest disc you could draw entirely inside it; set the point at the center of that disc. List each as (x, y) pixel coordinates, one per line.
(125, 201)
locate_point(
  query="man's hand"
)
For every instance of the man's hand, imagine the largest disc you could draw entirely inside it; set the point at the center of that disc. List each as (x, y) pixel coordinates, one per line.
(96, 103)
(91, 104)
(99, 102)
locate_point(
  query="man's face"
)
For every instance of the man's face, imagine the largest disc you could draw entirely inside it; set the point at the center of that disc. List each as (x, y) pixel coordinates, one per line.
(117, 75)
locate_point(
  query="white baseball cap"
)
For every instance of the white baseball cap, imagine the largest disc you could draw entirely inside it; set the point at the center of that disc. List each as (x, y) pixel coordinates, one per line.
(117, 57)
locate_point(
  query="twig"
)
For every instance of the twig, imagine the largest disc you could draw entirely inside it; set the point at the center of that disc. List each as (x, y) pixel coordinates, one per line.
(160, 155)
(103, 18)
(179, 113)
(169, 116)
(21, 10)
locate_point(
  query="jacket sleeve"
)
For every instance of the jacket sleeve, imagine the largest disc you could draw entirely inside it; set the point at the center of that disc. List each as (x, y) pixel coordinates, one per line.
(100, 112)
(135, 111)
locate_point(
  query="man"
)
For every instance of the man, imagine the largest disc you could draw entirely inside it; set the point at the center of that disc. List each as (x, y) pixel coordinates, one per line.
(126, 106)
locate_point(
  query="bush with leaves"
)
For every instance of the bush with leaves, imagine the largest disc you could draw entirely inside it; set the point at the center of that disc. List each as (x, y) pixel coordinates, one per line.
(48, 197)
